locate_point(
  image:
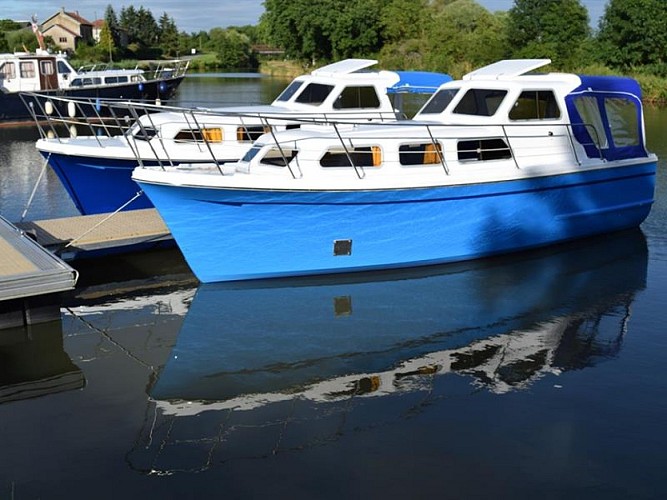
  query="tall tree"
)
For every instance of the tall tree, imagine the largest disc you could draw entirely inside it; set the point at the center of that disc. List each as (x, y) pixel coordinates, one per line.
(111, 23)
(168, 35)
(634, 33)
(106, 47)
(557, 29)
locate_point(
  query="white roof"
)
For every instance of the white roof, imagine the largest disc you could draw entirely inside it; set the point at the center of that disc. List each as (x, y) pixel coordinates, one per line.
(344, 67)
(509, 68)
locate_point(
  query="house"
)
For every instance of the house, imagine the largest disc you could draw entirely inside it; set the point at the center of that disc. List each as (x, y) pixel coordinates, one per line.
(68, 29)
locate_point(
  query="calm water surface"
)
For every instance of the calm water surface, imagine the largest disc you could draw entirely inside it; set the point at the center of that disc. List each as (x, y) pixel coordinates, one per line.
(540, 375)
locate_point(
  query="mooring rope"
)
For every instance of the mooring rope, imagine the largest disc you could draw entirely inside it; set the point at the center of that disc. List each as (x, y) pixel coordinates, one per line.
(34, 189)
(139, 193)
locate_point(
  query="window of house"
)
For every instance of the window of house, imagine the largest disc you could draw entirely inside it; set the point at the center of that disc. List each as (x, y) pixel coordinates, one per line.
(480, 102)
(357, 98)
(62, 39)
(535, 105)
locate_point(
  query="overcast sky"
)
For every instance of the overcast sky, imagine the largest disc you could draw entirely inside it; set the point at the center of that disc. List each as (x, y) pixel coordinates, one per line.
(200, 15)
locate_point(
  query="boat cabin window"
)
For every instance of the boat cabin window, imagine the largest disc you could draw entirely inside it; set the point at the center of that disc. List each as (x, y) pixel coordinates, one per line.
(426, 153)
(278, 157)
(491, 148)
(143, 133)
(370, 156)
(199, 135)
(82, 82)
(535, 105)
(287, 94)
(63, 69)
(27, 69)
(480, 102)
(115, 79)
(47, 67)
(251, 134)
(8, 71)
(315, 94)
(587, 107)
(622, 115)
(357, 98)
(439, 101)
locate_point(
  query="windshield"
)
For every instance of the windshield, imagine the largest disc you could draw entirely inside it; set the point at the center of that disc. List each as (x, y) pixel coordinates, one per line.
(287, 94)
(439, 101)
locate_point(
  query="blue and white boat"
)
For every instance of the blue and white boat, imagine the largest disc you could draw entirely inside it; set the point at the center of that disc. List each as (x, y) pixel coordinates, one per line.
(55, 79)
(500, 161)
(96, 168)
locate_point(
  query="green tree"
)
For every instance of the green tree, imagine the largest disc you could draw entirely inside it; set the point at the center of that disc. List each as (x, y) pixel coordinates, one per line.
(557, 29)
(319, 30)
(233, 48)
(633, 33)
(463, 33)
(357, 29)
(106, 47)
(301, 27)
(168, 35)
(111, 24)
(402, 20)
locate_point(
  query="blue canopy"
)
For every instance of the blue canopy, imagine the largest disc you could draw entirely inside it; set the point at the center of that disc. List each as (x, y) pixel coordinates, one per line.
(418, 82)
(616, 117)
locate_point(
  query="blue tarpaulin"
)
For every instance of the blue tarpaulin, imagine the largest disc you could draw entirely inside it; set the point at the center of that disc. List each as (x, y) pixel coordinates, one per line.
(418, 82)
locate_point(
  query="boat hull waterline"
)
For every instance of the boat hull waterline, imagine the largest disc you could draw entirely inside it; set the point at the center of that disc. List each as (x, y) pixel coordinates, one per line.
(235, 234)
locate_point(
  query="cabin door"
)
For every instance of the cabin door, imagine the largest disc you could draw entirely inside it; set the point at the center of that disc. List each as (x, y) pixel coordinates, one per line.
(48, 78)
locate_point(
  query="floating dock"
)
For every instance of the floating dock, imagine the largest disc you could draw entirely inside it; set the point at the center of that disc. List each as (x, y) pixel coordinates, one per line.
(30, 276)
(33, 270)
(90, 235)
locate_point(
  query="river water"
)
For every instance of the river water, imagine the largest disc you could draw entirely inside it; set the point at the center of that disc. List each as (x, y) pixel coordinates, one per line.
(539, 375)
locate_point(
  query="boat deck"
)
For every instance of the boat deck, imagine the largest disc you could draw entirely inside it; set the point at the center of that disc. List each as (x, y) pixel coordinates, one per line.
(71, 236)
(27, 269)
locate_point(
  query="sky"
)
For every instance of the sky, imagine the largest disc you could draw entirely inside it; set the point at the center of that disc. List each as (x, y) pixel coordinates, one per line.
(199, 15)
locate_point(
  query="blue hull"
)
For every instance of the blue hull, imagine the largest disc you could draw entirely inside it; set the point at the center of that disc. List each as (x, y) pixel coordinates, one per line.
(228, 235)
(96, 185)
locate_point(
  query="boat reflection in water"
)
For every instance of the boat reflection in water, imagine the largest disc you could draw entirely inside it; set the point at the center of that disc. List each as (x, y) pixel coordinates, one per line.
(34, 363)
(248, 352)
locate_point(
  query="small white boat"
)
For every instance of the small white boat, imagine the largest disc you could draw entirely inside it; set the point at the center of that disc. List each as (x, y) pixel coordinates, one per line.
(500, 161)
(96, 168)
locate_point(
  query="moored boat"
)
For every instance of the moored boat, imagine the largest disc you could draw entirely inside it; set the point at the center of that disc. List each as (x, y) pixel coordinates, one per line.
(96, 168)
(53, 76)
(500, 161)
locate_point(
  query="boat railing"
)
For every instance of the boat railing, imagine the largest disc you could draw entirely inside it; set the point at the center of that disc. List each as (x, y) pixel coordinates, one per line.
(157, 70)
(61, 118)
